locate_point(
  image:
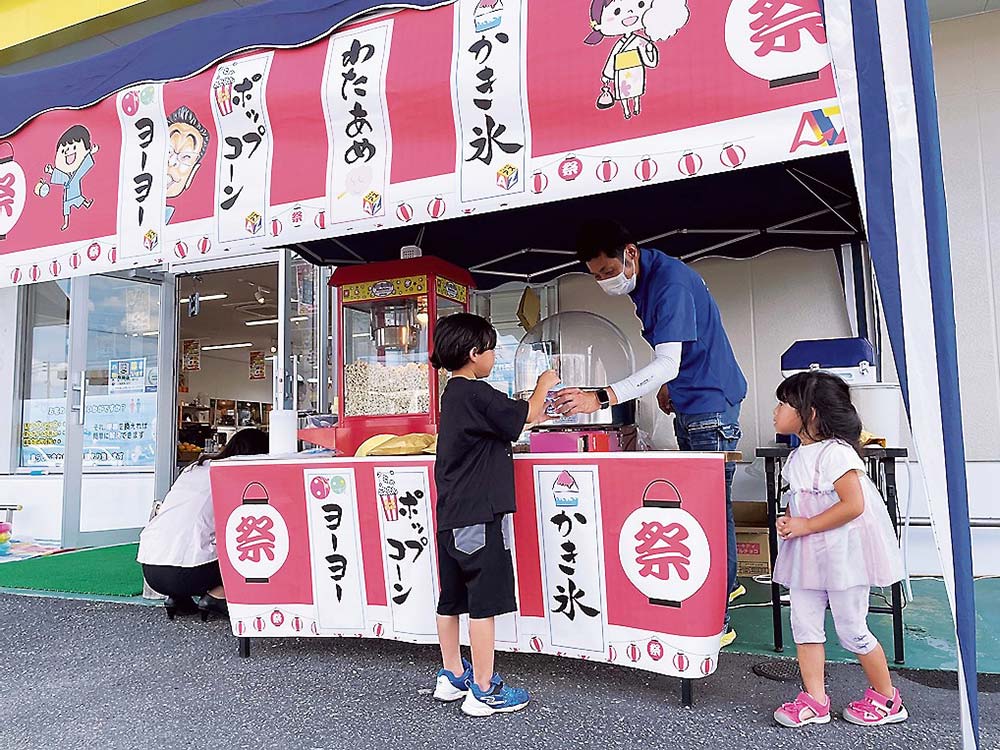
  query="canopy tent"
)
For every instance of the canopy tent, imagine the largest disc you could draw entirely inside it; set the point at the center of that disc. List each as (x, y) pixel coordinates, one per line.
(514, 110)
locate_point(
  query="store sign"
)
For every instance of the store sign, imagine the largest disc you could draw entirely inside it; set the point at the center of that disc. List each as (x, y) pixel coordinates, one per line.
(413, 117)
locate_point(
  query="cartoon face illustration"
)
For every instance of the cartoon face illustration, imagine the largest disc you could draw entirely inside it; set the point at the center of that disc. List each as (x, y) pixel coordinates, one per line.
(187, 142)
(620, 17)
(70, 153)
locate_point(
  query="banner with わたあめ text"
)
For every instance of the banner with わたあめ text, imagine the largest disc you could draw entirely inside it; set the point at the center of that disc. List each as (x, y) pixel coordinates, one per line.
(414, 116)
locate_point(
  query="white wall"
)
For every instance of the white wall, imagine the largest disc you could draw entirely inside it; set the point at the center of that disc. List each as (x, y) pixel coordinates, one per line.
(227, 378)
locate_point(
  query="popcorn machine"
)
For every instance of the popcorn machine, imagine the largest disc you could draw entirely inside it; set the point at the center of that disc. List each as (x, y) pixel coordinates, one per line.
(387, 313)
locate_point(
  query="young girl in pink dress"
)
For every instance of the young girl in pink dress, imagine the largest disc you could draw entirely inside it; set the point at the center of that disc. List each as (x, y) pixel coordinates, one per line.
(837, 542)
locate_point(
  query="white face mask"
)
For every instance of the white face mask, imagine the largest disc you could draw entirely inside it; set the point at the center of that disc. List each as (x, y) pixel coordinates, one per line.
(618, 285)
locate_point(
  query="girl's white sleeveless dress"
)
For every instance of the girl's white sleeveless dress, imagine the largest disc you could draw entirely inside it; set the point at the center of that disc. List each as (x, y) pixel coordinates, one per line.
(862, 552)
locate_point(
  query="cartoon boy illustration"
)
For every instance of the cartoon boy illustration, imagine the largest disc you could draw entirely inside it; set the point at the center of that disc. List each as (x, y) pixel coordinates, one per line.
(187, 142)
(624, 75)
(74, 158)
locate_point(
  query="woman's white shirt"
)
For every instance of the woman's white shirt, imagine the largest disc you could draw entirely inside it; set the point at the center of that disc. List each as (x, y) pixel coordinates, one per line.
(182, 534)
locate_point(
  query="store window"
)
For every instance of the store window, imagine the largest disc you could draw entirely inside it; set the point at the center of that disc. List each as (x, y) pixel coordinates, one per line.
(303, 338)
(45, 375)
(121, 375)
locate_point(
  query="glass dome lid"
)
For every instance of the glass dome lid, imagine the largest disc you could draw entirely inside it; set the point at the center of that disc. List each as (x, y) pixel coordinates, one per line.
(587, 351)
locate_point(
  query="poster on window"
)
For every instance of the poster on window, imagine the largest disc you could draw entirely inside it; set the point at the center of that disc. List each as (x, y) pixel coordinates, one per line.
(258, 365)
(127, 375)
(191, 355)
(618, 558)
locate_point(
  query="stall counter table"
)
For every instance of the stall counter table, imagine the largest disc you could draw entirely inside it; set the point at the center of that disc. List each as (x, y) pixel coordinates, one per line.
(882, 471)
(619, 557)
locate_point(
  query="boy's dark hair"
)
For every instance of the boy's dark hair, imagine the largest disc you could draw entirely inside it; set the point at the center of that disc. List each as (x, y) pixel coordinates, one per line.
(75, 133)
(830, 396)
(456, 336)
(598, 237)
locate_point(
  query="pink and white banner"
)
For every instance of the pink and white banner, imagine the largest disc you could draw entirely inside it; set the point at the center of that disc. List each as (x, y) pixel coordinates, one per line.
(415, 116)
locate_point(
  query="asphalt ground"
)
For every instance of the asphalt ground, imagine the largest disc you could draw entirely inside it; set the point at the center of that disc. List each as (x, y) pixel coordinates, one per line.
(83, 674)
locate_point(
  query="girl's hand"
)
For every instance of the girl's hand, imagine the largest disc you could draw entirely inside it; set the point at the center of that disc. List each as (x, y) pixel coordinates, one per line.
(792, 527)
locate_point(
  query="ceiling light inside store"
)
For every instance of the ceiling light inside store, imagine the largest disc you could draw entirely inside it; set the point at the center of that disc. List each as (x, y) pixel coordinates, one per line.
(259, 296)
(203, 298)
(273, 321)
(214, 347)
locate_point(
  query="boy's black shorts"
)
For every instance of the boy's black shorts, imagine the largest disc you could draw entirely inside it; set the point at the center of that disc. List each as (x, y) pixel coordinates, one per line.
(477, 571)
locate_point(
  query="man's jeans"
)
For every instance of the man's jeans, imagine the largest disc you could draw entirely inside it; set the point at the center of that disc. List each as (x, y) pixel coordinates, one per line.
(718, 431)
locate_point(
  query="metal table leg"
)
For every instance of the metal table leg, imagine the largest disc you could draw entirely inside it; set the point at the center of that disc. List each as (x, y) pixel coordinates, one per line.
(770, 468)
(892, 502)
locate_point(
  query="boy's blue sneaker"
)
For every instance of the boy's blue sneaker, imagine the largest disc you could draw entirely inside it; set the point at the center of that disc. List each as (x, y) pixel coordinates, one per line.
(499, 699)
(449, 687)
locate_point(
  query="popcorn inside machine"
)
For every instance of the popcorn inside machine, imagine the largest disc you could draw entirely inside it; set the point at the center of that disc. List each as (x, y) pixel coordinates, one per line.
(387, 313)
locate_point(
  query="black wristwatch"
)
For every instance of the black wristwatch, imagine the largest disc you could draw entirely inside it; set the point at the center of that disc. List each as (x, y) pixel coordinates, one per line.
(603, 398)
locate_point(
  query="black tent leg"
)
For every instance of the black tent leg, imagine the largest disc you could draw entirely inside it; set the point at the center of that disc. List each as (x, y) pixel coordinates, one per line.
(244, 648)
(687, 692)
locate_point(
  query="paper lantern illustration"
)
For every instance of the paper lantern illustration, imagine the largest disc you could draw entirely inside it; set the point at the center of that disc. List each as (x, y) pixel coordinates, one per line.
(181, 249)
(690, 164)
(241, 628)
(539, 182)
(113, 255)
(655, 650)
(204, 245)
(607, 170)
(646, 169)
(297, 624)
(55, 268)
(259, 624)
(436, 208)
(378, 630)
(314, 628)
(277, 618)
(733, 155)
(94, 251)
(681, 662)
(35, 273)
(634, 652)
(75, 260)
(15, 276)
(612, 653)
(275, 227)
(570, 168)
(536, 643)
(404, 212)
(320, 220)
(707, 666)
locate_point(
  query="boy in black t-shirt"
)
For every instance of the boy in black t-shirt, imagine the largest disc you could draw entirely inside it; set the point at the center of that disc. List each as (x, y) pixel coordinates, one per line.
(474, 472)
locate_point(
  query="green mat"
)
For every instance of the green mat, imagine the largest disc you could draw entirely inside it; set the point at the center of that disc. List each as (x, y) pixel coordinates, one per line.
(106, 571)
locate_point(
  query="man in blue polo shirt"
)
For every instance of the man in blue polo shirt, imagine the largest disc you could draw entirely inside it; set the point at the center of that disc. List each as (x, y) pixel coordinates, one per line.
(694, 370)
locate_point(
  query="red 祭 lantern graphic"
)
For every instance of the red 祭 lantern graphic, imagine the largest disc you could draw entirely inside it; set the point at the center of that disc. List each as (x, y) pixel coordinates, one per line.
(536, 643)
(204, 245)
(733, 155)
(707, 666)
(297, 624)
(259, 624)
(607, 170)
(436, 208)
(539, 181)
(75, 260)
(277, 618)
(646, 169)
(404, 212)
(320, 220)
(378, 630)
(655, 650)
(690, 164)
(681, 662)
(634, 652)
(181, 250)
(570, 168)
(612, 653)
(55, 268)
(15, 276)
(35, 273)
(94, 251)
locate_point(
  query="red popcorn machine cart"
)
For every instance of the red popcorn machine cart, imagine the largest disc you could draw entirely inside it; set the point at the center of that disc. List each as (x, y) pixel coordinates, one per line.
(386, 313)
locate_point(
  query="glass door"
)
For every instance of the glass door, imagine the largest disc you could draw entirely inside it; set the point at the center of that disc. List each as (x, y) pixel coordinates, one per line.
(119, 433)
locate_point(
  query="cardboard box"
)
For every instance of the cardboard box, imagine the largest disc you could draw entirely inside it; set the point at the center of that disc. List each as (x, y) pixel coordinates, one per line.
(753, 551)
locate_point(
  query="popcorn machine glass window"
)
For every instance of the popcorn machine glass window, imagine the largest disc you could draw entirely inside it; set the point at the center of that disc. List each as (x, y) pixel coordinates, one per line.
(385, 357)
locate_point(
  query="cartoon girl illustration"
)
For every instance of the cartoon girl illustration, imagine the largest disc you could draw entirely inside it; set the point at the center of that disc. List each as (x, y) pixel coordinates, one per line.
(640, 24)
